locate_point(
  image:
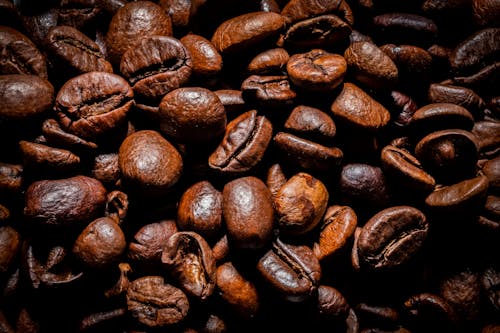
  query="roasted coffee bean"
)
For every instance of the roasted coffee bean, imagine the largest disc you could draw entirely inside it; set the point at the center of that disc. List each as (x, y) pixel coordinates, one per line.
(154, 303)
(64, 202)
(80, 14)
(233, 102)
(269, 62)
(275, 179)
(490, 216)
(56, 136)
(147, 245)
(462, 291)
(192, 115)
(337, 229)
(100, 244)
(10, 243)
(94, 104)
(206, 60)
(239, 293)
(244, 144)
(19, 55)
(200, 210)
(316, 70)
(11, 178)
(485, 12)
(189, 259)
(402, 109)
(132, 23)
(248, 213)
(24, 97)
(296, 10)
(243, 32)
(105, 168)
(300, 204)
(310, 123)
(268, 91)
(488, 137)
(490, 281)
(491, 170)
(155, 66)
(377, 315)
(75, 52)
(429, 310)
(465, 97)
(148, 163)
(293, 271)
(332, 304)
(392, 237)
(439, 116)
(405, 28)
(181, 12)
(45, 159)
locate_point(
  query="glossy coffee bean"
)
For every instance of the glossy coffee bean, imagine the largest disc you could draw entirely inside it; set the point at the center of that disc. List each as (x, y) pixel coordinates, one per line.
(148, 242)
(491, 169)
(248, 213)
(47, 159)
(11, 178)
(296, 10)
(392, 237)
(428, 310)
(465, 97)
(269, 62)
(207, 61)
(405, 28)
(154, 303)
(310, 123)
(439, 116)
(189, 260)
(57, 137)
(9, 247)
(275, 179)
(300, 204)
(293, 271)
(332, 304)
(105, 168)
(268, 91)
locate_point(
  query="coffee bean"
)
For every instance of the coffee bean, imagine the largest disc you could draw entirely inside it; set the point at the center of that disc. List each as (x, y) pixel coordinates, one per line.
(297, 10)
(429, 310)
(9, 247)
(11, 178)
(46, 159)
(405, 28)
(331, 303)
(310, 123)
(268, 91)
(465, 97)
(269, 62)
(207, 61)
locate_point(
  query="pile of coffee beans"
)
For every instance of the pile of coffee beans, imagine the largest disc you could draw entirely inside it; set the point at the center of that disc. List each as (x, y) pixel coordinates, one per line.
(249, 166)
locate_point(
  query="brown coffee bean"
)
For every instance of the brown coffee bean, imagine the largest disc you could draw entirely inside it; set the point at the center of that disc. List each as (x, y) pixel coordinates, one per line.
(106, 169)
(244, 144)
(248, 213)
(487, 134)
(94, 104)
(268, 91)
(24, 97)
(192, 115)
(296, 10)
(182, 12)
(414, 64)
(18, 54)
(486, 12)
(133, 22)
(149, 163)
(438, 116)
(75, 52)
(316, 70)
(356, 108)
(275, 179)
(10, 243)
(207, 61)
(148, 242)
(405, 28)
(300, 204)
(490, 281)
(95, 321)
(491, 169)
(154, 303)
(155, 66)
(64, 202)
(79, 14)
(237, 291)
(428, 310)
(45, 159)
(462, 291)
(11, 178)
(337, 229)
(465, 97)
(293, 271)
(243, 32)
(371, 66)
(220, 250)
(57, 137)
(392, 237)
(100, 244)
(307, 154)
(490, 215)
(233, 102)
(189, 260)
(402, 109)
(200, 210)
(448, 155)
(269, 62)
(406, 169)
(332, 304)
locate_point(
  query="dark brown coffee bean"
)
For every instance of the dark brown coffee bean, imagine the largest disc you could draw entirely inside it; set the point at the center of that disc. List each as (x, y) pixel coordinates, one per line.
(248, 213)
(487, 134)
(311, 123)
(356, 108)
(268, 91)
(405, 28)
(465, 97)
(96, 321)
(189, 259)
(233, 102)
(307, 154)
(155, 66)
(154, 303)
(291, 270)
(237, 291)
(244, 144)
(371, 66)
(332, 304)
(448, 155)
(491, 169)
(481, 81)
(200, 210)
(64, 202)
(275, 179)
(392, 237)
(316, 70)
(490, 215)
(490, 281)
(10, 243)
(207, 61)
(148, 242)
(47, 159)
(24, 97)
(460, 197)
(245, 31)
(270, 62)
(477, 51)
(377, 315)
(439, 116)
(300, 204)
(100, 244)
(11, 178)
(427, 311)
(57, 137)
(105, 168)
(337, 229)
(192, 115)
(296, 10)
(132, 23)
(402, 108)
(318, 32)
(18, 54)
(79, 14)
(462, 291)
(486, 12)
(414, 64)
(406, 169)
(94, 104)
(149, 163)
(182, 12)
(75, 52)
